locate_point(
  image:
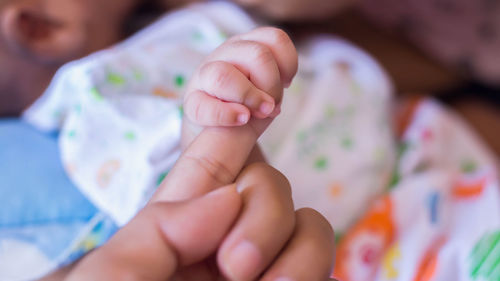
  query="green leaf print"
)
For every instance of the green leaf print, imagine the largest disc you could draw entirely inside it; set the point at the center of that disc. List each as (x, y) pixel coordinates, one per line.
(130, 135)
(179, 81)
(96, 94)
(321, 163)
(116, 79)
(469, 166)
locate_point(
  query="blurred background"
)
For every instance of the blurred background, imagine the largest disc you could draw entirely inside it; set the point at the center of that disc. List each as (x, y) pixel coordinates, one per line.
(448, 50)
(390, 34)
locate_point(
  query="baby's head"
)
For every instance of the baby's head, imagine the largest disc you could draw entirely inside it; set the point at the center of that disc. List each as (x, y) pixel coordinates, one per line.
(38, 36)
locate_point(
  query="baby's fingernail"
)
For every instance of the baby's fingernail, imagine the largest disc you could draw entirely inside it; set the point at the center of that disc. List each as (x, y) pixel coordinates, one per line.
(287, 85)
(243, 261)
(266, 108)
(243, 118)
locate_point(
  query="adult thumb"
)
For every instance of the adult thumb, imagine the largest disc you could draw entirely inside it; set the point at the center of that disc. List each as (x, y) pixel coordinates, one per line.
(163, 237)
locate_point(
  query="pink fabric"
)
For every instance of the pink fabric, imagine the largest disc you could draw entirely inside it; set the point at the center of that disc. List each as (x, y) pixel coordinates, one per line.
(463, 33)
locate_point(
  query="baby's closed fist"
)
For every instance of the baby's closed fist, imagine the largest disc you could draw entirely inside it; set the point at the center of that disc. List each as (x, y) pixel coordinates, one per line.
(241, 79)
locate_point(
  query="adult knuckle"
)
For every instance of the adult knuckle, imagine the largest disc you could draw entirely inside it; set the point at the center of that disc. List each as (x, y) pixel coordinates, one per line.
(282, 217)
(311, 216)
(259, 166)
(267, 171)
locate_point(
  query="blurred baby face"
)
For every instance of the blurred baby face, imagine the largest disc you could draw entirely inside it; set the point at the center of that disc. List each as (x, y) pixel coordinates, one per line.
(38, 36)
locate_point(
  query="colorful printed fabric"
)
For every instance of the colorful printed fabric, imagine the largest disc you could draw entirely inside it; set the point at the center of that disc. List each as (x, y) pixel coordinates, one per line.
(334, 140)
(441, 218)
(119, 115)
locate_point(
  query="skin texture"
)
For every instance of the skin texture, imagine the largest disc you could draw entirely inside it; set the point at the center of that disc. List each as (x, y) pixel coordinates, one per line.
(240, 86)
(38, 36)
(254, 234)
(270, 62)
(225, 86)
(180, 239)
(198, 227)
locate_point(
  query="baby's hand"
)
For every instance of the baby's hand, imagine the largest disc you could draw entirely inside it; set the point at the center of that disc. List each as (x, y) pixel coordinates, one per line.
(243, 78)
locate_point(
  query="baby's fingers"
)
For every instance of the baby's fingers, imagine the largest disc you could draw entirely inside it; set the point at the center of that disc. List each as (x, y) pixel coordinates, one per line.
(205, 110)
(226, 82)
(281, 46)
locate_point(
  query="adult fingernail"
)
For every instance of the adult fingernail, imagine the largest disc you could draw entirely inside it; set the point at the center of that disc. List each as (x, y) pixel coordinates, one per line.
(243, 118)
(266, 108)
(243, 261)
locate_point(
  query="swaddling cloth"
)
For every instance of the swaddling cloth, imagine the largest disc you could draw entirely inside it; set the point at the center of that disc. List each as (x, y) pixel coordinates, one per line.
(119, 113)
(441, 219)
(119, 110)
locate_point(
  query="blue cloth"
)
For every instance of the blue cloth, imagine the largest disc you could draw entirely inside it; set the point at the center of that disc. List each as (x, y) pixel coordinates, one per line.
(34, 187)
(39, 205)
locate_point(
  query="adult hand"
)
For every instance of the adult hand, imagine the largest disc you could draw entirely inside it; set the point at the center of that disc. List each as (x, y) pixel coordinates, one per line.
(254, 235)
(222, 234)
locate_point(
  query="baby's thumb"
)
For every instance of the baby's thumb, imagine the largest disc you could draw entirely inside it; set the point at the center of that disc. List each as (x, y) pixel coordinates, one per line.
(163, 237)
